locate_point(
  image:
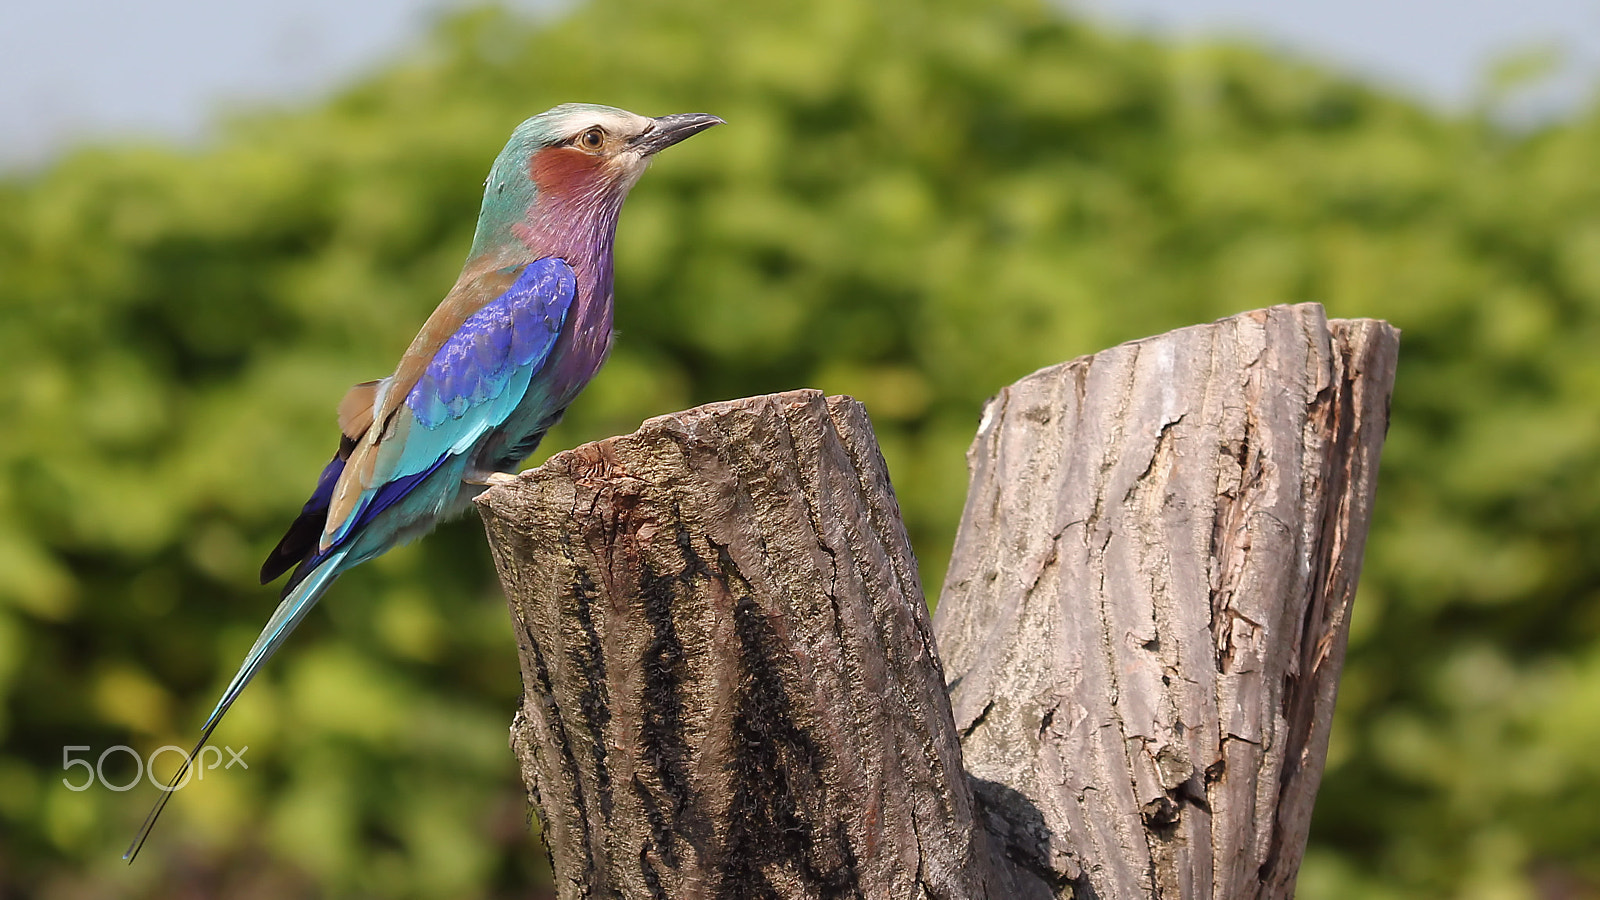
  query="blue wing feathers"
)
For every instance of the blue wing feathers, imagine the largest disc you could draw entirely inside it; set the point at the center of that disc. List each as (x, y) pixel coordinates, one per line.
(515, 330)
(473, 384)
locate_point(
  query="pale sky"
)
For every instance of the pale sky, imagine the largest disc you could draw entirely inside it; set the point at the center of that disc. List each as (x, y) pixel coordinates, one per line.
(72, 70)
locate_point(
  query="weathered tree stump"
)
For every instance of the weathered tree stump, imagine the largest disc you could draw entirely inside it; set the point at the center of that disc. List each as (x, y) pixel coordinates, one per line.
(731, 688)
(1146, 611)
(730, 682)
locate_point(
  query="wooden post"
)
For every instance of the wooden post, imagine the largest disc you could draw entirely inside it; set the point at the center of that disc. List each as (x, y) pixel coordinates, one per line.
(730, 682)
(1146, 611)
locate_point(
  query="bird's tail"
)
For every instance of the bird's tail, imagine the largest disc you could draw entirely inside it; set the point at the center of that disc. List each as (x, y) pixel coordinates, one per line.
(284, 619)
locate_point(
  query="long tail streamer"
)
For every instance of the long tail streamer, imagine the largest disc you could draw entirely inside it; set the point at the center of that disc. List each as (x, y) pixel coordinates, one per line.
(284, 619)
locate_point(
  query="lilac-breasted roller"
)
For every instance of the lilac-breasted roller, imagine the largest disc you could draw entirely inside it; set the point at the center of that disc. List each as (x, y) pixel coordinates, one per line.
(526, 326)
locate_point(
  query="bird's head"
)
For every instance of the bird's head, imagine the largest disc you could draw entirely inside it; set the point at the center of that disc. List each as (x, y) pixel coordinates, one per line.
(575, 160)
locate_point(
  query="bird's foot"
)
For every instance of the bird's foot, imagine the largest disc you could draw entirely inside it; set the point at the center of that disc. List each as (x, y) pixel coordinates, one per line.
(491, 478)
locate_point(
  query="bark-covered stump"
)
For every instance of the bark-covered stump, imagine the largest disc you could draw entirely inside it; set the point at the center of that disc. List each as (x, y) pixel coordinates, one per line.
(730, 683)
(1147, 606)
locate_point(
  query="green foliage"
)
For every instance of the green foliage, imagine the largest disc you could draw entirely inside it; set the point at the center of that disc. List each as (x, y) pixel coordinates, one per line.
(913, 202)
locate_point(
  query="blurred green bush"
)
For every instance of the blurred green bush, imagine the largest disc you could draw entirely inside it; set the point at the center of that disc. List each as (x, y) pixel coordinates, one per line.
(915, 203)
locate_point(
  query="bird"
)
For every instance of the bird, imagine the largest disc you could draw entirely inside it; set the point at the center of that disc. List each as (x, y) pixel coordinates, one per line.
(526, 326)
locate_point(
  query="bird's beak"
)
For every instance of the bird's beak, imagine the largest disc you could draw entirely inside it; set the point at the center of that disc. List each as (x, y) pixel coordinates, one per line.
(669, 130)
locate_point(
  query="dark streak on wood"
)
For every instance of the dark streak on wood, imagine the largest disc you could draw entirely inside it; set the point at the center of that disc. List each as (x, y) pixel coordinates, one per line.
(589, 661)
(661, 731)
(775, 766)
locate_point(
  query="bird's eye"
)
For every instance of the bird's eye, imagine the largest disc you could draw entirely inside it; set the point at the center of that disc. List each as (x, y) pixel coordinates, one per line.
(592, 139)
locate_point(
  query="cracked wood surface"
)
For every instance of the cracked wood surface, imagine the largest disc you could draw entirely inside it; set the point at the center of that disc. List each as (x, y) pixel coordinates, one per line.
(1147, 606)
(730, 683)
